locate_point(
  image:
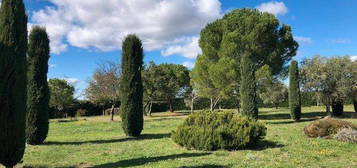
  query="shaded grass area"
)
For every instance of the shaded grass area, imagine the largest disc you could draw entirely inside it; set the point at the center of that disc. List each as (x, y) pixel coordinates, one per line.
(96, 142)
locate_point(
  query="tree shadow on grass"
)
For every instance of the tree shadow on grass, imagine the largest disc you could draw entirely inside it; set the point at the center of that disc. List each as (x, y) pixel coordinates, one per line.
(205, 166)
(292, 122)
(142, 137)
(286, 116)
(146, 160)
(265, 144)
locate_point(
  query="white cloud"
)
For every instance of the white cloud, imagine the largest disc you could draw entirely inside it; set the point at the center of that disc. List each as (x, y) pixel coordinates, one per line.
(273, 7)
(72, 81)
(102, 24)
(189, 64)
(301, 39)
(189, 48)
(52, 65)
(353, 58)
(341, 41)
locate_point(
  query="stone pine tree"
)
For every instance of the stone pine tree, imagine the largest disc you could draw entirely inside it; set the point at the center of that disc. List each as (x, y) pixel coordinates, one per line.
(13, 48)
(294, 92)
(37, 87)
(248, 93)
(131, 87)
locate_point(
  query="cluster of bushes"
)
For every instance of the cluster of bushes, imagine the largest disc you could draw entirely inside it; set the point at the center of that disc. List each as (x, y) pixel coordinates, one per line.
(79, 108)
(332, 128)
(218, 130)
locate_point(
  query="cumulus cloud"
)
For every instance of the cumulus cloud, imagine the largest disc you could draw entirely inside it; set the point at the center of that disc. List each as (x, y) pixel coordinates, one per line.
(273, 7)
(189, 64)
(304, 40)
(353, 58)
(102, 24)
(189, 48)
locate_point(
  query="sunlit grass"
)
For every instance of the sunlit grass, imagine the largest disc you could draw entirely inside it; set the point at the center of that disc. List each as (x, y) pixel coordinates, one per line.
(97, 142)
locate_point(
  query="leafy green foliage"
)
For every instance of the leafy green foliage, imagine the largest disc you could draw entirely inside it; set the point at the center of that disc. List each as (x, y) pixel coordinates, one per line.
(248, 88)
(217, 71)
(38, 93)
(207, 130)
(294, 92)
(165, 82)
(61, 94)
(13, 48)
(131, 87)
(332, 79)
(327, 127)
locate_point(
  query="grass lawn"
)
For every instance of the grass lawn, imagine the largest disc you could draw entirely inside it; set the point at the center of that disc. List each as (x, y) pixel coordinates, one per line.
(96, 142)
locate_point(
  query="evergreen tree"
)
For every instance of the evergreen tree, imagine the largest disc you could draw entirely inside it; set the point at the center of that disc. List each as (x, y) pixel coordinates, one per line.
(13, 46)
(131, 87)
(294, 92)
(37, 88)
(248, 88)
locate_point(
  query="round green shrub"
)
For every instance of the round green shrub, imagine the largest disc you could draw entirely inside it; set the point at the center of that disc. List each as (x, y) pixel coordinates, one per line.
(218, 130)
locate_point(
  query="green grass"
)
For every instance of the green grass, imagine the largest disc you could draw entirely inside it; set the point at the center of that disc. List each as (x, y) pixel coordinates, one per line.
(96, 142)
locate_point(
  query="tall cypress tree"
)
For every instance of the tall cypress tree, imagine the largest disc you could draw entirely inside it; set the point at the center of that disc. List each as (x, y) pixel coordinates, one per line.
(13, 46)
(37, 88)
(294, 92)
(248, 93)
(131, 86)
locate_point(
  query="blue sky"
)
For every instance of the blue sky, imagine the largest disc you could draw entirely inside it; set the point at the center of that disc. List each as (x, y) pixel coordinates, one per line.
(86, 32)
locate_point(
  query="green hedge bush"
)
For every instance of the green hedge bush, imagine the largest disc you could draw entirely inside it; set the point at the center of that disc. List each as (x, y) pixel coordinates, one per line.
(218, 130)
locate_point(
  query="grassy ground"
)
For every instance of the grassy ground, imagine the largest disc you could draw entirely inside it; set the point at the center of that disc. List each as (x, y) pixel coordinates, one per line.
(95, 142)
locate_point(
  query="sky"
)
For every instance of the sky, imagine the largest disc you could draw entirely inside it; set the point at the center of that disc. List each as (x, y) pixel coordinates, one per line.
(84, 33)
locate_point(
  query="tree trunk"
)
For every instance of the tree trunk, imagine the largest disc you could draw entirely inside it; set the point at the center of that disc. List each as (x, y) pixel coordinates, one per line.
(170, 106)
(112, 113)
(150, 107)
(328, 111)
(192, 101)
(211, 104)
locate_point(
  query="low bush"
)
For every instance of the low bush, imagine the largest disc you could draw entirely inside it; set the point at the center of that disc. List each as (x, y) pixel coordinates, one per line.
(346, 135)
(218, 130)
(326, 127)
(81, 113)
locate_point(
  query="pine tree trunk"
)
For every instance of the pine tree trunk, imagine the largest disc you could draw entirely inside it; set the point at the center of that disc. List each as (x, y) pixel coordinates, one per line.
(192, 101)
(150, 107)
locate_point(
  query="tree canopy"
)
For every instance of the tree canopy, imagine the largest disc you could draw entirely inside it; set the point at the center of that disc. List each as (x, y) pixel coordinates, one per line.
(61, 94)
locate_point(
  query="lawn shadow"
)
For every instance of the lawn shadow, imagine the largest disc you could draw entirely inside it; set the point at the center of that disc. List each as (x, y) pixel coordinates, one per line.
(265, 144)
(142, 137)
(205, 166)
(292, 122)
(146, 160)
(277, 116)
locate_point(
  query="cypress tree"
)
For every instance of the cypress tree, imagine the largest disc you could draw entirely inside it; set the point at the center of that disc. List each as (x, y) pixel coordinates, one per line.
(248, 88)
(37, 88)
(294, 92)
(337, 107)
(13, 46)
(131, 87)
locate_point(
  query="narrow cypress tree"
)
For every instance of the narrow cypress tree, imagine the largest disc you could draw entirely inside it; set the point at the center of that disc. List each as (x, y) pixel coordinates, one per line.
(248, 88)
(37, 88)
(13, 46)
(337, 108)
(131, 87)
(294, 92)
